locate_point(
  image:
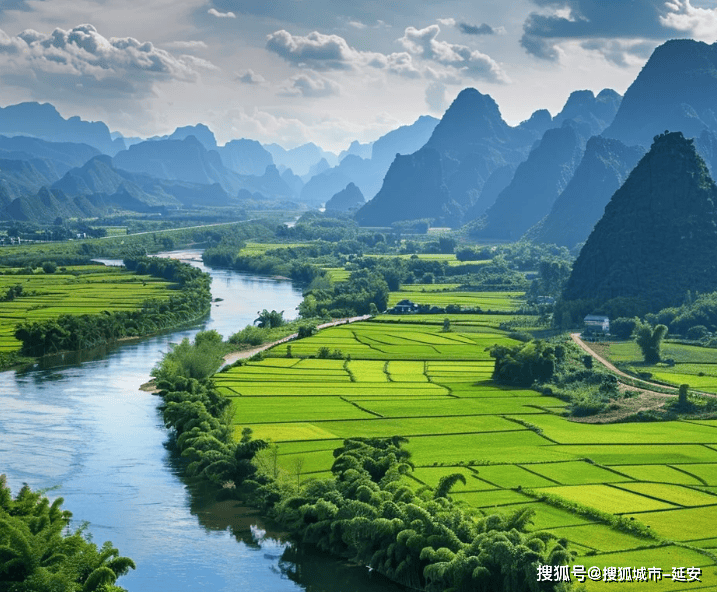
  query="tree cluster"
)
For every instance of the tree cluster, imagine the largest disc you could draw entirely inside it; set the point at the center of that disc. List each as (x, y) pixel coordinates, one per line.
(39, 552)
(76, 332)
(422, 540)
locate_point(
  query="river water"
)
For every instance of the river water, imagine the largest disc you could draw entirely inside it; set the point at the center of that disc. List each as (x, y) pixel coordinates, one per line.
(84, 428)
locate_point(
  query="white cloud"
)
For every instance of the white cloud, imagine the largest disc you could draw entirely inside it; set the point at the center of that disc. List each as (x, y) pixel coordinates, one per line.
(186, 45)
(357, 25)
(699, 23)
(80, 59)
(309, 84)
(316, 50)
(216, 13)
(469, 62)
(448, 22)
(332, 52)
(250, 77)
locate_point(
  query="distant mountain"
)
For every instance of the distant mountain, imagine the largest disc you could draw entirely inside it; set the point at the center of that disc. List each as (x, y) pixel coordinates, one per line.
(356, 148)
(42, 120)
(368, 173)
(469, 142)
(346, 199)
(23, 177)
(246, 157)
(676, 90)
(536, 184)
(473, 142)
(658, 236)
(270, 185)
(597, 112)
(498, 180)
(602, 170)
(300, 159)
(62, 155)
(180, 160)
(413, 188)
(200, 131)
(46, 205)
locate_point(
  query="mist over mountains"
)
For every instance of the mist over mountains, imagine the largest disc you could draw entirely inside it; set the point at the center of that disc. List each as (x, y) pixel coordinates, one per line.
(547, 179)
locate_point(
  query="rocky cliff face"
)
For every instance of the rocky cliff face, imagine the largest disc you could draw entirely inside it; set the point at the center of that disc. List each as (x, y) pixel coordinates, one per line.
(676, 90)
(658, 236)
(602, 170)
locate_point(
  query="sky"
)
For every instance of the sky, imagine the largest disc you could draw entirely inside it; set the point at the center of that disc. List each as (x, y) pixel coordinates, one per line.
(326, 71)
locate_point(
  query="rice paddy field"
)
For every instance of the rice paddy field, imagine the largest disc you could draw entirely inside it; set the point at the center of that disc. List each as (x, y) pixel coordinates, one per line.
(87, 289)
(439, 295)
(693, 365)
(513, 446)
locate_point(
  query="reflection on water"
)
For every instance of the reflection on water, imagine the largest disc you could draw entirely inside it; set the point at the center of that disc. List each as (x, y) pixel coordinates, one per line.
(82, 424)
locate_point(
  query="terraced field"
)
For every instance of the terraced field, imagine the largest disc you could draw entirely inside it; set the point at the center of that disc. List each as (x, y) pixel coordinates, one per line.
(79, 290)
(511, 445)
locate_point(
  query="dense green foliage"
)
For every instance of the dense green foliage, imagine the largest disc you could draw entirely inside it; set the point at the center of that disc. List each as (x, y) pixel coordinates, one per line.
(38, 552)
(525, 363)
(366, 513)
(649, 340)
(71, 332)
(657, 237)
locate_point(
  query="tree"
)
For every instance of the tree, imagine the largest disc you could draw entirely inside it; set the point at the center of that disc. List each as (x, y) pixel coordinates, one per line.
(269, 320)
(446, 325)
(49, 267)
(649, 340)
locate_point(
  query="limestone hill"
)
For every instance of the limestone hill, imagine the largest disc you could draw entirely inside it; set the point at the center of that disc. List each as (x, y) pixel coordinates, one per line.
(658, 236)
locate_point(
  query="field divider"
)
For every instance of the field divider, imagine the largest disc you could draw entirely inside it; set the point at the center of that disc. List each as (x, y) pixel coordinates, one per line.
(652, 497)
(664, 509)
(539, 475)
(700, 479)
(432, 435)
(378, 415)
(532, 427)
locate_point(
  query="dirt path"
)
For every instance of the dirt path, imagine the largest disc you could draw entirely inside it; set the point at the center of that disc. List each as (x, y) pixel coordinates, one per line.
(232, 357)
(576, 338)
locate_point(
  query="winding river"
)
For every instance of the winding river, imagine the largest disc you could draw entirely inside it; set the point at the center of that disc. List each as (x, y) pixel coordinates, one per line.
(83, 428)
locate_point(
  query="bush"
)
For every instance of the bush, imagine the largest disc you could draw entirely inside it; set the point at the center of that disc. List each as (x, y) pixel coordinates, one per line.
(49, 267)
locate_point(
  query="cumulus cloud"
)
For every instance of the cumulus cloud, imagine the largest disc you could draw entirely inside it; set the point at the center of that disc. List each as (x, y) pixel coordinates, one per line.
(316, 50)
(81, 58)
(467, 61)
(216, 13)
(332, 52)
(596, 22)
(482, 29)
(425, 56)
(250, 77)
(700, 23)
(309, 84)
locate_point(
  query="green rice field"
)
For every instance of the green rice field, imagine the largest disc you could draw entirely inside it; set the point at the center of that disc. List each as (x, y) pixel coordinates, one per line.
(88, 289)
(511, 445)
(693, 365)
(496, 301)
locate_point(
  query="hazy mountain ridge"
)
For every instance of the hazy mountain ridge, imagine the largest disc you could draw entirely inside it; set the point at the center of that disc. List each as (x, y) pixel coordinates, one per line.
(604, 167)
(473, 141)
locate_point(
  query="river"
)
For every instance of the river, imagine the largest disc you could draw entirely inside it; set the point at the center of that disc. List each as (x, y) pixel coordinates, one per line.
(85, 428)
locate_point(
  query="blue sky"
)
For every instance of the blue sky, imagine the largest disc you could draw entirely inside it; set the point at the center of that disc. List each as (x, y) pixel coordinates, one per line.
(292, 71)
